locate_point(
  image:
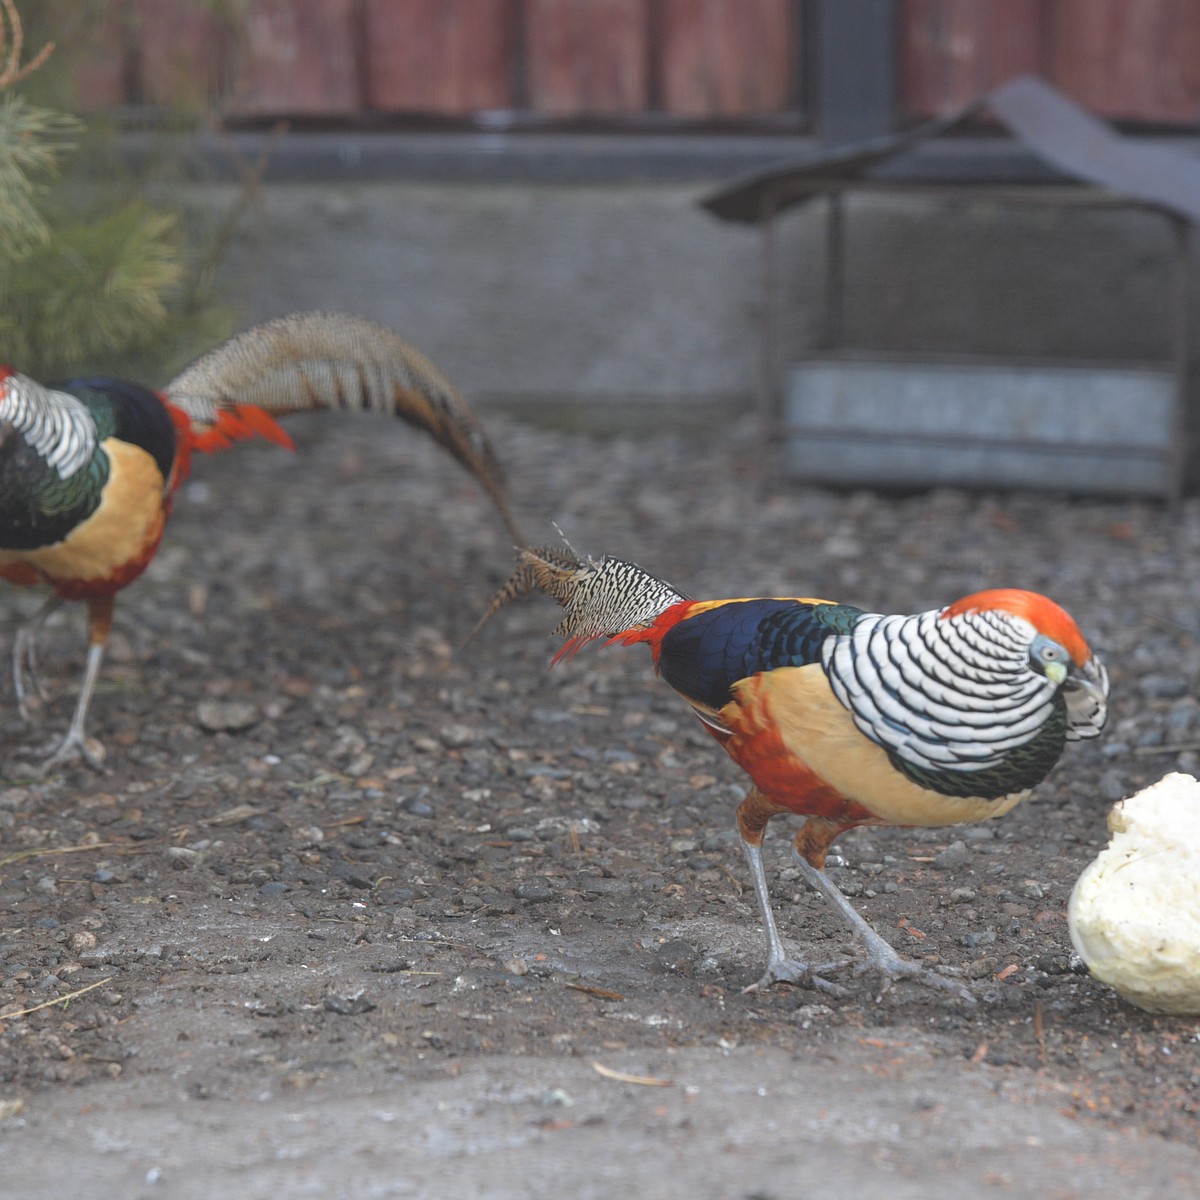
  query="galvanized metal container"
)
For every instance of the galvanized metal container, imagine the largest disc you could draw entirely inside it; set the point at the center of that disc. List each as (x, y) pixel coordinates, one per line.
(900, 423)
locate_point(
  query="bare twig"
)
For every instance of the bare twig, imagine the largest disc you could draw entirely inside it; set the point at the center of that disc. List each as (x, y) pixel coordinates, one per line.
(624, 1077)
(1170, 748)
(12, 71)
(46, 851)
(24, 1012)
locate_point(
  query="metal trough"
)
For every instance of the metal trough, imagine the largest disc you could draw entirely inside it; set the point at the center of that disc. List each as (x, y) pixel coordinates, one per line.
(885, 422)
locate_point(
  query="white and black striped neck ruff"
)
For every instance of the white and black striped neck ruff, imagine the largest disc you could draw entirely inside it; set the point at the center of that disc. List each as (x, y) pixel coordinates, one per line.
(56, 425)
(954, 694)
(606, 597)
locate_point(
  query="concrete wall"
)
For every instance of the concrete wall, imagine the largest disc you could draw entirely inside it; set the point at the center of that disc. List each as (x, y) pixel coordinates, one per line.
(598, 291)
(517, 291)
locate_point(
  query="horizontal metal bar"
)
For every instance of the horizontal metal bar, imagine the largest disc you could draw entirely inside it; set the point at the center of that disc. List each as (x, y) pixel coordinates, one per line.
(972, 442)
(949, 358)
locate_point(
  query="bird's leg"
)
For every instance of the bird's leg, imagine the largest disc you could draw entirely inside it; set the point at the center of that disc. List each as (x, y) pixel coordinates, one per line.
(100, 611)
(753, 815)
(24, 656)
(880, 955)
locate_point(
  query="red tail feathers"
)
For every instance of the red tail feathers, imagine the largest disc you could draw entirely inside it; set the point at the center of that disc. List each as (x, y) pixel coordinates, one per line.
(238, 424)
(234, 424)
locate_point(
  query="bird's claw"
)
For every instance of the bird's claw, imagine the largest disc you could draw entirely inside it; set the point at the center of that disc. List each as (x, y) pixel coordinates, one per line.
(894, 967)
(73, 746)
(791, 970)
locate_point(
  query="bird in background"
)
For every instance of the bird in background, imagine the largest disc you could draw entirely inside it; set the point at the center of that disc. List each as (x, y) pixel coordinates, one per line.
(846, 717)
(88, 468)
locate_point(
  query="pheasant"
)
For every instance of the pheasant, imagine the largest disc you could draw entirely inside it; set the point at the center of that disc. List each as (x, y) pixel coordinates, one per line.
(846, 717)
(88, 468)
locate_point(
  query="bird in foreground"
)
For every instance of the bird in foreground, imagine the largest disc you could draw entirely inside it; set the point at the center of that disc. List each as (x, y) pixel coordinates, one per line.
(88, 468)
(846, 717)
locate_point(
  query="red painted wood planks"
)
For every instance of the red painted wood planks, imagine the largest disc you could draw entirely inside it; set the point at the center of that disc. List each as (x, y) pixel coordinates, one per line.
(1137, 61)
(728, 58)
(1128, 60)
(183, 54)
(296, 56)
(450, 57)
(585, 57)
(951, 51)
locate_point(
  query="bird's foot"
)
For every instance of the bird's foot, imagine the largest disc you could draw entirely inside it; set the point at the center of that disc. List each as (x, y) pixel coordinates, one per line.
(893, 966)
(880, 954)
(74, 745)
(809, 975)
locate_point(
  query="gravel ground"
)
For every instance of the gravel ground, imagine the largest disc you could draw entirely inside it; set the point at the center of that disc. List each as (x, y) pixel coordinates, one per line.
(360, 909)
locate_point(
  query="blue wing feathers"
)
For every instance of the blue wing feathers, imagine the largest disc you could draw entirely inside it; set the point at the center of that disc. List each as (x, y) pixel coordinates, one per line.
(705, 655)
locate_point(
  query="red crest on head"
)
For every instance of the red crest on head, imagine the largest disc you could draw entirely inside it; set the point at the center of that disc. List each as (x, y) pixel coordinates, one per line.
(6, 373)
(1042, 613)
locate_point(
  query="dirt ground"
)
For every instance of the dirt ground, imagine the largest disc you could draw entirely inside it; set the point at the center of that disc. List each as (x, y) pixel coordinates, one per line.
(363, 914)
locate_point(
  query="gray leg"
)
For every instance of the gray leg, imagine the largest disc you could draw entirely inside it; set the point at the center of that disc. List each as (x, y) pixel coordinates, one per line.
(24, 655)
(76, 741)
(781, 968)
(880, 955)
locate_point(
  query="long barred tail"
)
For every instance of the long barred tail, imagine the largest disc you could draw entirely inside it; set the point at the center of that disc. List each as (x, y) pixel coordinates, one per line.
(327, 360)
(602, 599)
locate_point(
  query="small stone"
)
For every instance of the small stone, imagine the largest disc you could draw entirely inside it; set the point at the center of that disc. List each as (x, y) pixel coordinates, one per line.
(954, 856)
(980, 968)
(266, 823)
(226, 716)
(677, 955)
(82, 940)
(307, 836)
(985, 937)
(534, 893)
(348, 1004)
(807, 1014)
(1053, 964)
(962, 895)
(456, 736)
(275, 888)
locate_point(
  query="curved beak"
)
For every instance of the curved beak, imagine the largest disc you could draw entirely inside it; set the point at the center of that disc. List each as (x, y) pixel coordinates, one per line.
(1086, 691)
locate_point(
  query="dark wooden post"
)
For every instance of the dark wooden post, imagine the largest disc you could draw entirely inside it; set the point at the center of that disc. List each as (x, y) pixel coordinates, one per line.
(854, 44)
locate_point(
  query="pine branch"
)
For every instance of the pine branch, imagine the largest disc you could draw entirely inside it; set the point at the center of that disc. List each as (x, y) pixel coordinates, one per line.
(32, 142)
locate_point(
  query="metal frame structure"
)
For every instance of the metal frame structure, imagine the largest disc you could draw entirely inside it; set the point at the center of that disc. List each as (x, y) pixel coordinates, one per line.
(1080, 162)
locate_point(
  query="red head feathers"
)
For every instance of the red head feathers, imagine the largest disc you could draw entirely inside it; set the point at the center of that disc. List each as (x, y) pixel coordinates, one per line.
(1043, 614)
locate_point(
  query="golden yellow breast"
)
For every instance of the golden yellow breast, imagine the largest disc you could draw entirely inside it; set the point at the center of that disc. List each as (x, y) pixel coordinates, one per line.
(815, 728)
(119, 536)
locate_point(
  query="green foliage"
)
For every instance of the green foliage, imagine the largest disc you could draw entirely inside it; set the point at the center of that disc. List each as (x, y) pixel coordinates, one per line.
(92, 289)
(31, 143)
(93, 277)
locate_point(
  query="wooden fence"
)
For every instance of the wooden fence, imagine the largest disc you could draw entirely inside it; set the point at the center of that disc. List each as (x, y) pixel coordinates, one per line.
(621, 61)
